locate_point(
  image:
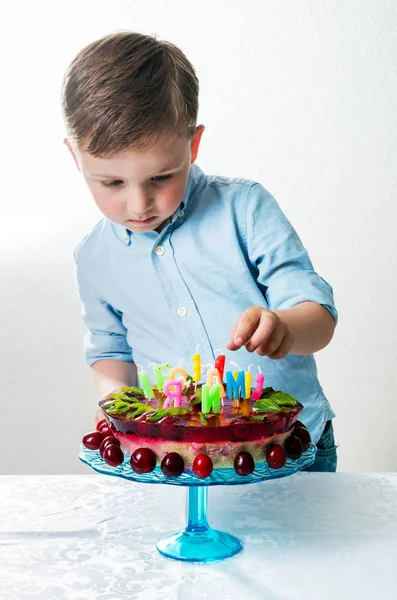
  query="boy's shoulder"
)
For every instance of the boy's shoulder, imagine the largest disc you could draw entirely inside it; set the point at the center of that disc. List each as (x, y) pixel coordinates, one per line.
(96, 242)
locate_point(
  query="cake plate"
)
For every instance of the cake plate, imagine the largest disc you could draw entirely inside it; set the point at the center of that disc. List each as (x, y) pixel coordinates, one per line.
(198, 542)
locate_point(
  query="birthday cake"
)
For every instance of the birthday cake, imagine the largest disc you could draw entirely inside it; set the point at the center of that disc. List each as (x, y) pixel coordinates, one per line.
(181, 425)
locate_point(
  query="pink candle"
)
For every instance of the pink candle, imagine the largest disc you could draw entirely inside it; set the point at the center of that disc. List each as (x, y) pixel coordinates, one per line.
(259, 380)
(173, 390)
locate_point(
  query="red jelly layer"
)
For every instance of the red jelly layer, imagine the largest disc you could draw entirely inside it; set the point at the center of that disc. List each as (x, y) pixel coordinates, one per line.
(232, 424)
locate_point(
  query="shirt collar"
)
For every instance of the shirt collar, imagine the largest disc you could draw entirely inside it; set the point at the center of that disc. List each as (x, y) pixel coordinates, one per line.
(194, 184)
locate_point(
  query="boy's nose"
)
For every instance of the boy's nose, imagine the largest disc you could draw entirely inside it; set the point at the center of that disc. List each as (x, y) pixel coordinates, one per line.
(139, 203)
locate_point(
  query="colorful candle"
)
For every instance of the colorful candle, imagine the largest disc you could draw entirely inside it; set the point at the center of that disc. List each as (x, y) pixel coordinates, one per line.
(159, 376)
(235, 385)
(178, 371)
(259, 380)
(220, 365)
(145, 384)
(214, 377)
(196, 367)
(173, 391)
(248, 382)
(211, 398)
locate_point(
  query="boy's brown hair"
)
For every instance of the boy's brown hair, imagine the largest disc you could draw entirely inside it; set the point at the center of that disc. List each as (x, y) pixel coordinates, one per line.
(125, 90)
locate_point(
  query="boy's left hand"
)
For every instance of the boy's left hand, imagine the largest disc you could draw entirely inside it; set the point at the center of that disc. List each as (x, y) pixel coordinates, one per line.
(261, 331)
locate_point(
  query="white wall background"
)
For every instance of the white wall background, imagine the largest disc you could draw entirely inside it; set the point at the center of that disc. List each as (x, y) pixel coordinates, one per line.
(301, 96)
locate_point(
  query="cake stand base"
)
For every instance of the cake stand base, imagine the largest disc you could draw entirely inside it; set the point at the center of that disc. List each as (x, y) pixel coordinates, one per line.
(199, 542)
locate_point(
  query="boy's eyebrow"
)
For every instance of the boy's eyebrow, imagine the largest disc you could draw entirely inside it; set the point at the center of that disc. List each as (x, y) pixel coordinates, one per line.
(164, 172)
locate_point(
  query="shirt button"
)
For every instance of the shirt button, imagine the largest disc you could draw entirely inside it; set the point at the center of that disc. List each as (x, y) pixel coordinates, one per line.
(159, 250)
(181, 311)
(181, 213)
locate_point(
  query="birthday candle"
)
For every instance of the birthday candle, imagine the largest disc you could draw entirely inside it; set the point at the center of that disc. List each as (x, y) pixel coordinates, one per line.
(248, 380)
(145, 384)
(214, 377)
(220, 365)
(159, 375)
(196, 367)
(235, 386)
(173, 391)
(178, 371)
(211, 398)
(259, 380)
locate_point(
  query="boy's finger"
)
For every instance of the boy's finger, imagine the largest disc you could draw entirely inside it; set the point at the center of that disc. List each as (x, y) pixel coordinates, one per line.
(264, 333)
(245, 327)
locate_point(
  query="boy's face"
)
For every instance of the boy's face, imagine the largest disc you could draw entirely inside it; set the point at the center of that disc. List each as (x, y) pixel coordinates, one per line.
(141, 189)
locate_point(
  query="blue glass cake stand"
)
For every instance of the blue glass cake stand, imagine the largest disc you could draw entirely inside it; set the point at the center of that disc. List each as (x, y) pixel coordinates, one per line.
(198, 542)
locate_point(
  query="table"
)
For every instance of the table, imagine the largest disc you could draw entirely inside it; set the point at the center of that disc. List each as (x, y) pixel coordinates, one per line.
(312, 536)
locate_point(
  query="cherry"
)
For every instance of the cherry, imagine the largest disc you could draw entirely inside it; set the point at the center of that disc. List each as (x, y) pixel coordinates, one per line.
(143, 460)
(108, 441)
(293, 447)
(106, 430)
(202, 466)
(304, 436)
(299, 424)
(113, 455)
(172, 464)
(101, 423)
(276, 456)
(244, 463)
(93, 440)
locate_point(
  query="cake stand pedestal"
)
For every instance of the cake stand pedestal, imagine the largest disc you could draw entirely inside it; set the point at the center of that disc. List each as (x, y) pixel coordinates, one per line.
(198, 542)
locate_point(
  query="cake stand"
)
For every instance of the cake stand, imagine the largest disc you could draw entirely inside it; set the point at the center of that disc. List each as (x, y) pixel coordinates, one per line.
(198, 542)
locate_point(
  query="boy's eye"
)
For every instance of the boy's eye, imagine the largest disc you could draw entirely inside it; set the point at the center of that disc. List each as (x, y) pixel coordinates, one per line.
(114, 183)
(160, 178)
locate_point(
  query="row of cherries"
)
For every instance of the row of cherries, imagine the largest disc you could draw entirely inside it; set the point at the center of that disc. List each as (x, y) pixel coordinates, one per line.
(143, 460)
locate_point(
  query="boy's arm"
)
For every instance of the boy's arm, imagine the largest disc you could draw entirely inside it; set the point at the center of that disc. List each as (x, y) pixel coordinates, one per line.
(113, 374)
(110, 375)
(298, 314)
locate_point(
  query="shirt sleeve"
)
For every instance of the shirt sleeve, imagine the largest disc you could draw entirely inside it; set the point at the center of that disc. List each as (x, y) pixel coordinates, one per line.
(107, 336)
(283, 268)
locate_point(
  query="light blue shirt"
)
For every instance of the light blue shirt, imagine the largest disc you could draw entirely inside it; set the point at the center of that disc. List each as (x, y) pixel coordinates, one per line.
(155, 297)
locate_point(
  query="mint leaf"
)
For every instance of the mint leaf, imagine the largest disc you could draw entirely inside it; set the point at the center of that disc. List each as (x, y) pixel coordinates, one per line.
(133, 390)
(281, 398)
(160, 413)
(266, 405)
(266, 392)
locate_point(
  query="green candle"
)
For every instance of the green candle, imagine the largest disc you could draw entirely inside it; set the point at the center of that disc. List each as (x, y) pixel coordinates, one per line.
(211, 398)
(145, 384)
(160, 376)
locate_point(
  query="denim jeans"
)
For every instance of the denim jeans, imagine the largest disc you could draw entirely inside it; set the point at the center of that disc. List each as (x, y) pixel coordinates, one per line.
(326, 457)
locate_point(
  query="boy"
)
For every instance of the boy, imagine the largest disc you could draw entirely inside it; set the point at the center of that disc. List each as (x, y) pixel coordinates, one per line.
(182, 259)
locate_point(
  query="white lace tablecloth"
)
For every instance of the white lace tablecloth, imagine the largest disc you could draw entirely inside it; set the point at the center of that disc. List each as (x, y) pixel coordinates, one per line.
(310, 536)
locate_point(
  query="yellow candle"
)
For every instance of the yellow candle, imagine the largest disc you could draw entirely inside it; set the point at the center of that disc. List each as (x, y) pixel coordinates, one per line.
(196, 367)
(248, 382)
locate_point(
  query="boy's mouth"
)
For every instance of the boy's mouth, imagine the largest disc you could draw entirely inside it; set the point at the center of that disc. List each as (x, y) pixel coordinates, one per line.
(140, 222)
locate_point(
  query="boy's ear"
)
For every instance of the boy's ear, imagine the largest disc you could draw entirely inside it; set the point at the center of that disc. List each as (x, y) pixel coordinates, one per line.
(196, 142)
(72, 152)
